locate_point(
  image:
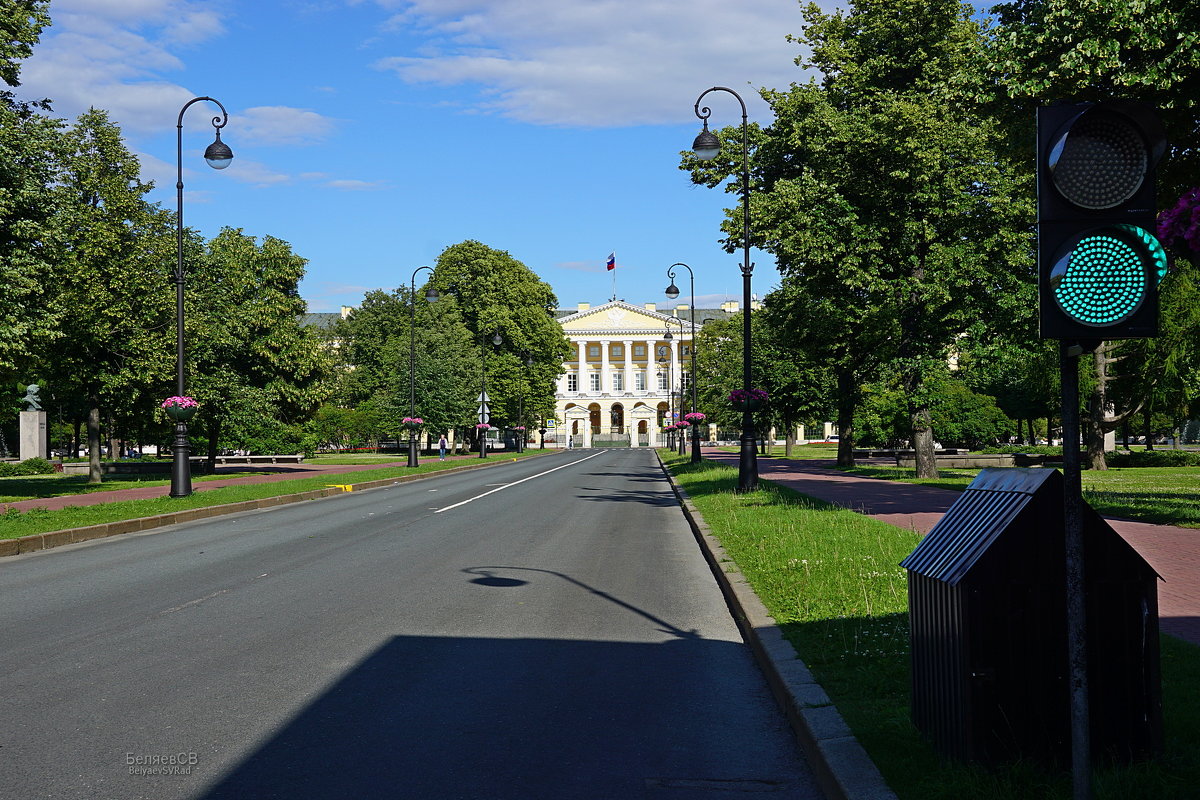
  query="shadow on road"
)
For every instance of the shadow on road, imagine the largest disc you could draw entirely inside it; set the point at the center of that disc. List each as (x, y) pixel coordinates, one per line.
(438, 717)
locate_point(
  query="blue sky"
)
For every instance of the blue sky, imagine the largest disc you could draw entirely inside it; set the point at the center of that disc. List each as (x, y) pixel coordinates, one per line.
(372, 134)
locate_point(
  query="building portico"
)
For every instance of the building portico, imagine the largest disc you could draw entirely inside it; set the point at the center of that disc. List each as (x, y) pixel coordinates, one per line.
(618, 382)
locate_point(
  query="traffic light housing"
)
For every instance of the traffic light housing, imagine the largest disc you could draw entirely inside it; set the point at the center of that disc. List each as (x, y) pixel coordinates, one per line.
(1099, 262)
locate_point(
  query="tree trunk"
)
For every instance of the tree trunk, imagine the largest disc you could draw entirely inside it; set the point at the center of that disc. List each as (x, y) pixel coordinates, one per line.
(78, 438)
(1097, 410)
(922, 439)
(790, 440)
(847, 393)
(93, 432)
(113, 452)
(214, 433)
(1146, 422)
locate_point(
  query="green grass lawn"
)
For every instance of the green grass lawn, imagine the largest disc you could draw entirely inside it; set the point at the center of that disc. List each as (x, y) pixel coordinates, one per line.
(14, 523)
(31, 487)
(831, 579)
(1163, 495)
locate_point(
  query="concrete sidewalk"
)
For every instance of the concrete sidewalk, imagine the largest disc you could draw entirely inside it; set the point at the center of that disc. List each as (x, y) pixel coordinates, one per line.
(1172, 551)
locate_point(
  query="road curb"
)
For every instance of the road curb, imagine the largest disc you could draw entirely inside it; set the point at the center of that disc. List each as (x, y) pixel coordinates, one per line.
(46, 541)
(843, 768)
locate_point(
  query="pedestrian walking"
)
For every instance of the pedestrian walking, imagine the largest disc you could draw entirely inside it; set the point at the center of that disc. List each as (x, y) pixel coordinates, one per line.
(442, 448)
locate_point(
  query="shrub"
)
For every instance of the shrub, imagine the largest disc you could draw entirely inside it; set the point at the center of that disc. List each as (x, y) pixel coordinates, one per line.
(1154, 458)
(30, 466)
(1040, 450)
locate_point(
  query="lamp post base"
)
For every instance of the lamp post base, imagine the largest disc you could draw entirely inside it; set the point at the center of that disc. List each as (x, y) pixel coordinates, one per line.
(748, 457)
(695, 446)
(181, 463)
(412, 450)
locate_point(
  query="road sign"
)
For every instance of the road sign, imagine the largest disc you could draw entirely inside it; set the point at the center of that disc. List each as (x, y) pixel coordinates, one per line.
(483, 398)
(484, 417)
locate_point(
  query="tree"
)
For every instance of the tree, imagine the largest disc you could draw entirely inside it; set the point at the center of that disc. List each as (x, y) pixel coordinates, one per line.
(881, 194)
(1044, 51)
(799, 389)
(30, 144)
(497, 293)
(110, 286)
(250, 357)
(21, 22)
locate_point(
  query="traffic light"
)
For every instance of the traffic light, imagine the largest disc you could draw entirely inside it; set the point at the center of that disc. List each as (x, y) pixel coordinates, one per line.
(1099, 262)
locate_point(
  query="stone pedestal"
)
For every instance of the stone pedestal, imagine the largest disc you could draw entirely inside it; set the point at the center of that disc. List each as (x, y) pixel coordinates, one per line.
(35, 435)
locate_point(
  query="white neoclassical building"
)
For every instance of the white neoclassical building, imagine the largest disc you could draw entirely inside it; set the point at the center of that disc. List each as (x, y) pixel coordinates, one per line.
(623, 379)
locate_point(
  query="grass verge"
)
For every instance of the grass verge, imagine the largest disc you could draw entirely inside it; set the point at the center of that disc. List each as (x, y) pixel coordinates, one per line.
(1162, 495)
(830, 578)
(14, 523)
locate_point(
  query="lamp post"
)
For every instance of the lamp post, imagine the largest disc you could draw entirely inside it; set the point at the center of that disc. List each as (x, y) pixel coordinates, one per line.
(431, 295)
(483, 398)
(672, 293)
(218, 155)
(706, 146)
(662, 360)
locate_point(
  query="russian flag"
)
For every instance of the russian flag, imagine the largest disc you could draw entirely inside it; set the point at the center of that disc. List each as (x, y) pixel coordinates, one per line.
(612, 260)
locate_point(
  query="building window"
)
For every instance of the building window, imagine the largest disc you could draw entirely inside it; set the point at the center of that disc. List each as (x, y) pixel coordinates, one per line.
(687, 350)
(662, 381)
(639, 351)
(639, 381)
(618, 351)
(618, 382)
(572, 382)
(593, 351)
(594, 380)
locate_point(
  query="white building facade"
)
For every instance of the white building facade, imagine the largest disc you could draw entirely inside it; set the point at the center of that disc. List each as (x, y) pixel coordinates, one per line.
(624, 377)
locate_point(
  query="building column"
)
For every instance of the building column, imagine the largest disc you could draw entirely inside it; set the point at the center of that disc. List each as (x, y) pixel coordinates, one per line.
(604, 383)
(627, 344)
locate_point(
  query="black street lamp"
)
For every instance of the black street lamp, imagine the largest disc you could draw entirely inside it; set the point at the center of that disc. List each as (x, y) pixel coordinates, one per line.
(706, 146)
(666, 365)
(672, 293)
(431, 296)
(483, 398)
(218, 155)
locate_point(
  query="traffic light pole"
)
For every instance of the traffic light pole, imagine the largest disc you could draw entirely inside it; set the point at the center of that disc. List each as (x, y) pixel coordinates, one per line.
(1077, 656)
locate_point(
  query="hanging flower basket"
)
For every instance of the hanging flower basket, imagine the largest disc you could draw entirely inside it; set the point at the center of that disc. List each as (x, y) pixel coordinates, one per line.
(180, 408)
(412, 424)
(695, 417)
(748, 399)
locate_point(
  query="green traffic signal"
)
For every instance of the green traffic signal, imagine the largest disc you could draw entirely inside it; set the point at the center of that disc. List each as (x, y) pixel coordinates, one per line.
(1102, 277)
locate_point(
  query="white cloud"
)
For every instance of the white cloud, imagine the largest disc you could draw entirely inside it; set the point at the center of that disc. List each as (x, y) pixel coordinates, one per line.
(600, 63)
(112, 54)
(282, 125)
(356, 186)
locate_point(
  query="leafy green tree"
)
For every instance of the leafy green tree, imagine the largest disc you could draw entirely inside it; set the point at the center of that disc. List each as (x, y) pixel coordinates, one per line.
(30, 145)
(881, 194)
(800, 390)
(247, 350)
(110, 287)
(21, 22)
(1043, 51)
(496, 293)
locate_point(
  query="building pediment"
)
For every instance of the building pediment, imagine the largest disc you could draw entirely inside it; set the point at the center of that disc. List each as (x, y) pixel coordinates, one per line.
(617, 317)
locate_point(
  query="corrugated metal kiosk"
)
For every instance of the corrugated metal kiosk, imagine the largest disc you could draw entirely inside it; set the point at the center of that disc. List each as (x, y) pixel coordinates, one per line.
(987, 609)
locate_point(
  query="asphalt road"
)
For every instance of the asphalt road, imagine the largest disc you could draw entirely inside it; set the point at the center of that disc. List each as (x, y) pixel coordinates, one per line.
(539, 629)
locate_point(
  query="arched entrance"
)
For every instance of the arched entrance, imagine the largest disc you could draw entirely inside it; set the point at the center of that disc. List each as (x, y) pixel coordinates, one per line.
(594, 417)
(617, 416)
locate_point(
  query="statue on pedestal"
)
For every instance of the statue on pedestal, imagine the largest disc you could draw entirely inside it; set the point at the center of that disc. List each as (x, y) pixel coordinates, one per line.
(31, 397)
